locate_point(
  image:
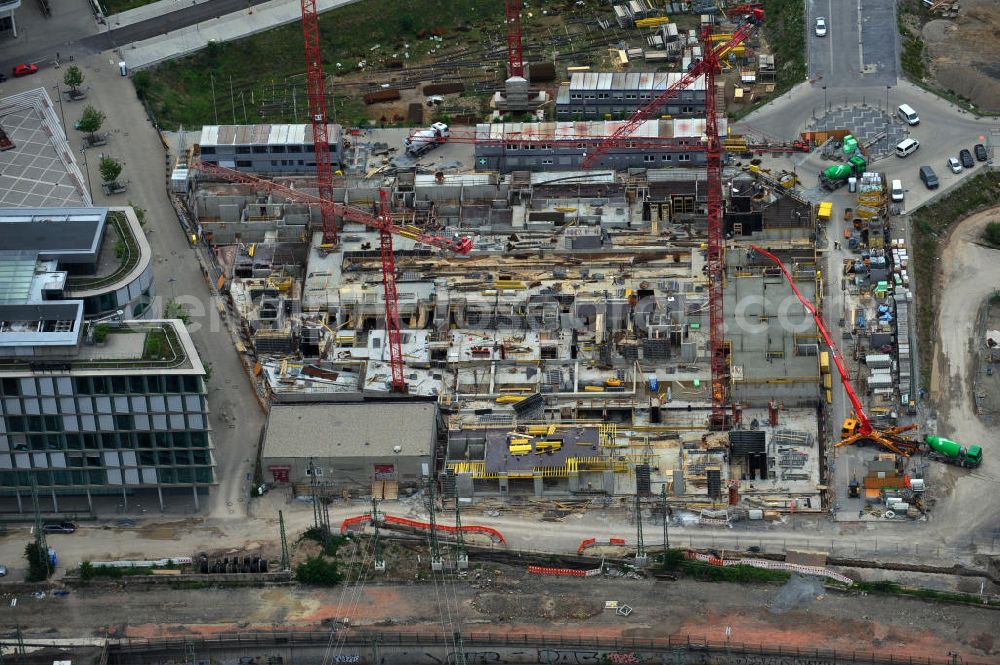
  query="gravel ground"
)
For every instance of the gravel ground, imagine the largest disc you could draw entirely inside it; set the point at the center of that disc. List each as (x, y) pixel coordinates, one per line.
(504, 598)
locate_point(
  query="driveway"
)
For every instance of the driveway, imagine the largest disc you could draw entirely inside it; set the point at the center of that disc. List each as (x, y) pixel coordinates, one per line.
(860, 46)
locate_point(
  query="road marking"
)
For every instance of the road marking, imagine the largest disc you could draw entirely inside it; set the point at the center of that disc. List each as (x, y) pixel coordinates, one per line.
(861, 44)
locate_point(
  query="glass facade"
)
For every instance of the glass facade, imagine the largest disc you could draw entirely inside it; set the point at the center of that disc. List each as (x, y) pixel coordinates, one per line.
(73, 432)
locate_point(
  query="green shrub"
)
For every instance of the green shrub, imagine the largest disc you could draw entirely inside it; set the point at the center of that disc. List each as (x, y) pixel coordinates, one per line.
(101, 333)
(992, 234)
(318, 571)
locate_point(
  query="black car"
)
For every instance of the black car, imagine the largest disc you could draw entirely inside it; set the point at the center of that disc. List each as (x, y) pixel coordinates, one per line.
(965, 157)
(59, 527)
(3, 77)
(980, 152)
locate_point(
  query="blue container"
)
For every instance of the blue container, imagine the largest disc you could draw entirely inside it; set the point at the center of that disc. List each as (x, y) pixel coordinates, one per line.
(654, 384)
(52, 557)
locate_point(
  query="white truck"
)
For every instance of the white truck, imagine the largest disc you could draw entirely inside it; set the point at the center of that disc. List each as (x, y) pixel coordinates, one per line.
(426, 139)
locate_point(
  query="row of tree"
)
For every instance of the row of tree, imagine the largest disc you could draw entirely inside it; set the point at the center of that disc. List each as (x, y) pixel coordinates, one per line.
(91, 121)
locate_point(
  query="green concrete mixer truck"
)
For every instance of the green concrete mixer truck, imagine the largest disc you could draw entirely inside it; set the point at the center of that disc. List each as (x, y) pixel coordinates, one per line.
(946, 450)
(836, 176)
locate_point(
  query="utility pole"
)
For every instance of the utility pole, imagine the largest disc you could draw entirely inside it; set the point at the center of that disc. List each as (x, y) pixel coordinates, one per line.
(459, 649)
(462, 557)
(663, 504)
(436, 563)
(314, 491)
(286, 562)
(22, 654)
(379, 559)
(640, 550)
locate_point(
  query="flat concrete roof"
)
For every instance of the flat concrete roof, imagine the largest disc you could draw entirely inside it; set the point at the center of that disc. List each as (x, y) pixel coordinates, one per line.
(52, 231)
(41, 169)
(367, 429)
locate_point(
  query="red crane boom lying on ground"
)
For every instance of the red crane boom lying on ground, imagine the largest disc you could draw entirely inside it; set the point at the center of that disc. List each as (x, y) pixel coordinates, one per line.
(862, 428)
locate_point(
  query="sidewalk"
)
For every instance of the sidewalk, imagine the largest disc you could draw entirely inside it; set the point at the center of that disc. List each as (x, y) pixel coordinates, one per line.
(146, 12)
(193, 38)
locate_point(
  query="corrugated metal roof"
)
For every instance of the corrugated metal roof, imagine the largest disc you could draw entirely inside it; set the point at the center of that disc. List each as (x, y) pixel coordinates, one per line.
(214, 135)
(656, 128)
(640, 81)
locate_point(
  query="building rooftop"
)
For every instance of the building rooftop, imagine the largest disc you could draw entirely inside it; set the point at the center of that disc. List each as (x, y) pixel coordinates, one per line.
(350, 430)
(53, 232)
(40, 170)
(151, 347)
(216, 135)
(652, 81)
(593, 130)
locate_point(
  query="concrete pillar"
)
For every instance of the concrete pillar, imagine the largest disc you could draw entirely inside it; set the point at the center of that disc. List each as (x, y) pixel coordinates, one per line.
(464, 486)
(55, 502)
(20, 508)
(504, 485)
(539, 486)
(574, 482)
(609, 482)
(194, 491)
(124, 500)
(90, 501)
(159, 493)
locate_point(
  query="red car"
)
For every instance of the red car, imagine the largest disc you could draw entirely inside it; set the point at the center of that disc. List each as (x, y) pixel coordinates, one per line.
(24, 70)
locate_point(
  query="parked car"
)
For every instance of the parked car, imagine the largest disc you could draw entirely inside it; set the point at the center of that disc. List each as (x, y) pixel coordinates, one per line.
(3, 77)
(820, 26)
(3, 571)
(965, 157)
(59, 527)
(928, 177)
(24, 70)
(980, 150)
(954, 165)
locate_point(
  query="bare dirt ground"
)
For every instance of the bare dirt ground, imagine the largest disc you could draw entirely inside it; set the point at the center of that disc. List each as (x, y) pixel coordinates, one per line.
(956, 63)
(517, 602)
(970, 273)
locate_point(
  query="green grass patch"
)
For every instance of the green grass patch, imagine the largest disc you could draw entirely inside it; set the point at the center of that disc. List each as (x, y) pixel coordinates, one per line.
(114, 6)
(785, 31)
(886, 587)
(930, 225)
(991, 234)
(914, 64)
(262, 78)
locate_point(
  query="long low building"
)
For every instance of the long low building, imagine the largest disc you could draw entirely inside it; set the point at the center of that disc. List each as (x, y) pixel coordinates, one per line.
(602, 95)
(349, 446)
(562, 146)
(267, 148)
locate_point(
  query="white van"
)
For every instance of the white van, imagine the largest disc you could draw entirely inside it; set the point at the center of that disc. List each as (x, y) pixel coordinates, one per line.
(907, 113)
(907, 147)
(896, 190)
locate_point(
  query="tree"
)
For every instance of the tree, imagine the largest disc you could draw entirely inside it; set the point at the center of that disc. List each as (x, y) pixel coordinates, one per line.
(110, 169)
(91, 121)
(38, 563)
(992, 234)
(73, 78)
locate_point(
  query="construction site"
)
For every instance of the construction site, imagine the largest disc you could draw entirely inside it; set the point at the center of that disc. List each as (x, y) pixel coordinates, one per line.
(598, 308)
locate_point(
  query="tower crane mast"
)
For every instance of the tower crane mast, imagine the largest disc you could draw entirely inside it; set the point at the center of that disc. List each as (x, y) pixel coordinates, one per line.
(317, 115)
(515, 52)
(707, 67)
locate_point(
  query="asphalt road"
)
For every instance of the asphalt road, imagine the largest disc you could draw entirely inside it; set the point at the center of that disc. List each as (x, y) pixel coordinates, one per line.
(72, 31)
(859, 49)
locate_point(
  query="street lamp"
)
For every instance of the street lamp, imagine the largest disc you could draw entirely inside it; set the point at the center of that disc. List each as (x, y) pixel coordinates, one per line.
(824, 99)
(887, 89)
(86, 169)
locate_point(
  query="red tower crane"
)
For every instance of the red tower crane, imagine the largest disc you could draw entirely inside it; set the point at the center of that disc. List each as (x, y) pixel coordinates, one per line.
(861, 428)
(707, 67)
(515, 53)
(317, 114)
(386, 229)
